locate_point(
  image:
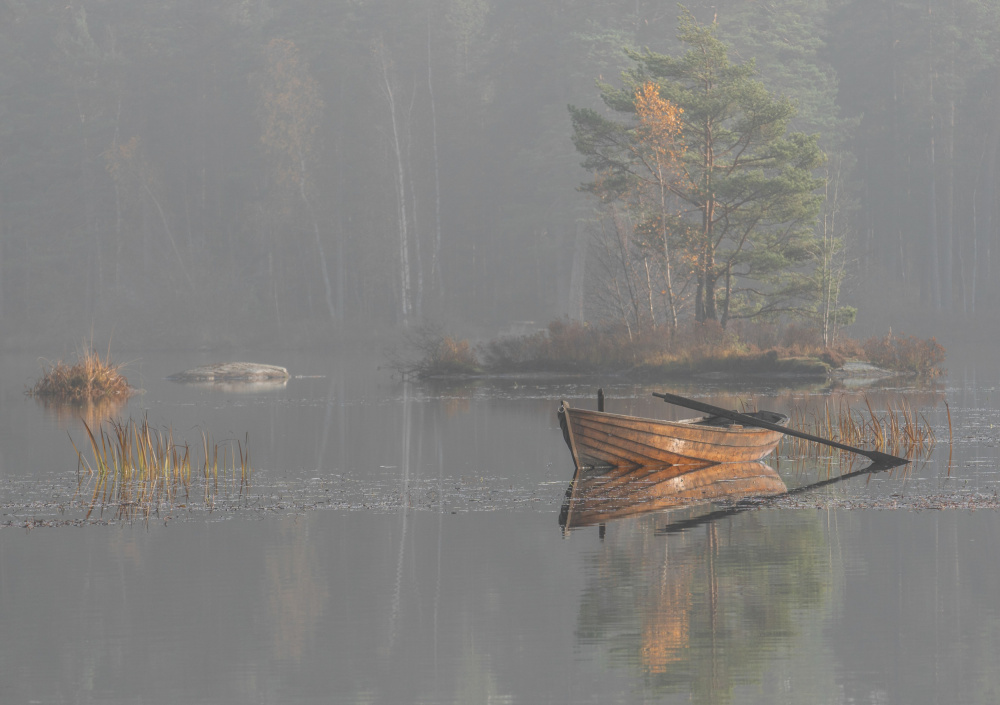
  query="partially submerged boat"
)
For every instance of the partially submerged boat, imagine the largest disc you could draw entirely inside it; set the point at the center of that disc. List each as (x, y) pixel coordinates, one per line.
(602, 440)
(599, 496)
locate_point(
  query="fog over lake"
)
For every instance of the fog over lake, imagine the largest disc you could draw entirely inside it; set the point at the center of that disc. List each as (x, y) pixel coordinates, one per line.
(535, 200)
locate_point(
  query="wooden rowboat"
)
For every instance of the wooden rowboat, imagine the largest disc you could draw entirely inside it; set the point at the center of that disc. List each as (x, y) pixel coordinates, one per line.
(601, 440)
(596, 497)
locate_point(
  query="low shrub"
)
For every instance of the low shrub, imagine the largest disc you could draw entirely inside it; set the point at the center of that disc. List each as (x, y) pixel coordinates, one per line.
(428, 352)
(905, 354)
(452, 357)
(575, 346)
(567, 344)
(834, 358)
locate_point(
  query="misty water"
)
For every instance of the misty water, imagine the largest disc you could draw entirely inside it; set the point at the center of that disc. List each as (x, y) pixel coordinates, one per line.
(400, 543)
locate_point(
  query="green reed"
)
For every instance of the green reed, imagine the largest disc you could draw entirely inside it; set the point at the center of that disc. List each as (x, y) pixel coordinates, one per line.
(137, 470)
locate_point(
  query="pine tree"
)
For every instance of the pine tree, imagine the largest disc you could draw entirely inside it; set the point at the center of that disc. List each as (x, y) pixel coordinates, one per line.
(746, 193)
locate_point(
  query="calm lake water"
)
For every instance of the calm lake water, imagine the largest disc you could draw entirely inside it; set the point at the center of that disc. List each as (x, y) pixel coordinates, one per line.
(401, 544)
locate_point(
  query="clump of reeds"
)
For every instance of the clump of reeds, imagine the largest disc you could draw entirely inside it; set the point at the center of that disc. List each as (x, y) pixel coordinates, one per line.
(91, 378)
(899, 430)
(137, 469)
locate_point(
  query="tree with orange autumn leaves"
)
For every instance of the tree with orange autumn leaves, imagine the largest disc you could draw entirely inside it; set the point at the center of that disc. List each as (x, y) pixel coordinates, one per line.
(659, 148)
(712, 181)
(637, 256)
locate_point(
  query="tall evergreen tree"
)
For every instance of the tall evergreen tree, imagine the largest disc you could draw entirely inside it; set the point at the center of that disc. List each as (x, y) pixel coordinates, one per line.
(789, 42)
(748, 197)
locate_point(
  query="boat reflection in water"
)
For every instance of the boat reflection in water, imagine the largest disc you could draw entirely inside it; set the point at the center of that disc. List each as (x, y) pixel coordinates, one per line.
(597, 496)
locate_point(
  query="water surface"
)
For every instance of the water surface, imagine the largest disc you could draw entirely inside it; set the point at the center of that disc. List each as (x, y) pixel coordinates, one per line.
(401, 544)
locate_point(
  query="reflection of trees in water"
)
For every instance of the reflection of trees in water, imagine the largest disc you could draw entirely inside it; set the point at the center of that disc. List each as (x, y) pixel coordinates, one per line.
(296, 594)
(703, 611)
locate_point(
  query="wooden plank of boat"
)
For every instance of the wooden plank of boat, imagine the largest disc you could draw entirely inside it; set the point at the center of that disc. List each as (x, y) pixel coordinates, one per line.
(601, 439)
(596, 498)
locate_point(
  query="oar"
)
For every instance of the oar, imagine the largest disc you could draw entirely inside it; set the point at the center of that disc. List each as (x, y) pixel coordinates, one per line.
(883, 459)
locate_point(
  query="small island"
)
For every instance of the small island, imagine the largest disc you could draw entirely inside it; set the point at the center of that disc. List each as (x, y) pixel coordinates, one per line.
(576, 348)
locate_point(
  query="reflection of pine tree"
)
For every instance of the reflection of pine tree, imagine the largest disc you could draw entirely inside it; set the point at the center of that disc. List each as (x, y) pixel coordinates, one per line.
(704, 610)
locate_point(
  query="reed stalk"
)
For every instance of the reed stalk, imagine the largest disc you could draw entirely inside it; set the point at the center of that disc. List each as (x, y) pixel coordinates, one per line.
(950, 437)
(137, 470)
(899, 430)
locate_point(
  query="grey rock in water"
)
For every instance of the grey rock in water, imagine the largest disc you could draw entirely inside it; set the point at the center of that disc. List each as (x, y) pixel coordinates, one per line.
(231, 372)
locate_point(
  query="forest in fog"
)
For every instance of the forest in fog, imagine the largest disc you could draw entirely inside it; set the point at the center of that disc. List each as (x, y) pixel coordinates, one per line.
(291, 172)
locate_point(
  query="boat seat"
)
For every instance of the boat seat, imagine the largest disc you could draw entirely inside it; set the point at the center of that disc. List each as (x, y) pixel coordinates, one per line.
(723, 422)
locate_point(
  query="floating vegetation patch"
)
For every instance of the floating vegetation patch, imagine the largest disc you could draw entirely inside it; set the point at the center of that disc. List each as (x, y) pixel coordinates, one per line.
(899, 430)
(969, 501)
(91, 378)
(136, 470)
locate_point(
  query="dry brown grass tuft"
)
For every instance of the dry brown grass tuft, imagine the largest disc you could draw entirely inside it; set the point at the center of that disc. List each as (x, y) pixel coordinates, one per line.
(91, 378)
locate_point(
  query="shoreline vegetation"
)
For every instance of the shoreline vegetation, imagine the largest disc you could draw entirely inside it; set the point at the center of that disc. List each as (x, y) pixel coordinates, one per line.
(574, 348)
(91, 379)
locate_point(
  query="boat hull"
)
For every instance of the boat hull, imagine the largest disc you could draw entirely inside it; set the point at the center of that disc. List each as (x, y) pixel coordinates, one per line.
(600, 440)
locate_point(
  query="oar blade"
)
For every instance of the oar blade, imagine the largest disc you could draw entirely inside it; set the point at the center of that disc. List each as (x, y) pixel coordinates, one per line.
(885, 461)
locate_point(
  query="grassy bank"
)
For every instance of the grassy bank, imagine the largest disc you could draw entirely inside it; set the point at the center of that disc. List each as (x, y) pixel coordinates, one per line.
(572, 347)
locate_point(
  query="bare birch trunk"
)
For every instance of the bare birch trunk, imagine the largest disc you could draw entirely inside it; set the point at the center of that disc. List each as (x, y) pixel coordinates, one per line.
(404, 245)
(666, 248)
(418, 294)
(437, 280)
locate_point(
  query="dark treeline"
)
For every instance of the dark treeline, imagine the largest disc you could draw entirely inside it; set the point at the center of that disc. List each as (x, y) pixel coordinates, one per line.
(253, 170)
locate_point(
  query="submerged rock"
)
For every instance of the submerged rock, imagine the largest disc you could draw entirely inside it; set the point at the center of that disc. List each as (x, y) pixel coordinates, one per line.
(231, 372)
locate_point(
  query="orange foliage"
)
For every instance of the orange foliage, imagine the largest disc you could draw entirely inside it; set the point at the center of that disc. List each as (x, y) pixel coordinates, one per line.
(659, 124)
(660, 148)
